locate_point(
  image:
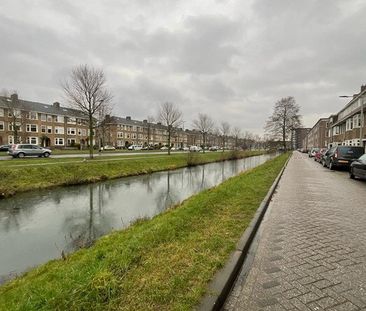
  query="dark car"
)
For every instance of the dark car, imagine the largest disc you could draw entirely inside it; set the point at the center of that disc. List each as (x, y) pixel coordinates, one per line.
(341, 156)
(358, 168)
(4, 148)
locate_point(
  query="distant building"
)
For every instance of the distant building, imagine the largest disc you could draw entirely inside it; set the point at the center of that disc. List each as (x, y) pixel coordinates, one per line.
(317, 136)
(297, 137)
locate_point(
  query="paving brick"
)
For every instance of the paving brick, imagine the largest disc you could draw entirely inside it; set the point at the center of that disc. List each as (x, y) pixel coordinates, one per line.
(311, 252)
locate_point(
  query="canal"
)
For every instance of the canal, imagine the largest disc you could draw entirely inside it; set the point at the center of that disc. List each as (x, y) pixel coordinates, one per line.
(38, 226)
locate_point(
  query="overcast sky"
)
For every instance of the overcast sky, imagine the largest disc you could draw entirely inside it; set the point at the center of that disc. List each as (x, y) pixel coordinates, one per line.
(230, 59)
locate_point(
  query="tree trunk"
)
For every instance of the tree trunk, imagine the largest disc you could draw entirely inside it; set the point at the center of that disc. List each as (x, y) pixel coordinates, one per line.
(169, 134)
(91, 134)
(204, 141)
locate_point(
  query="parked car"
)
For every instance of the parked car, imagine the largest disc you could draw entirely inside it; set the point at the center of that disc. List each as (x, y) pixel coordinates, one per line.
(164, 148)
(22, 150)
(319, 155)
(213, 148)
(4, 148)
(358, 168)
(195, 149)
(135, 147)
(341, 156)
(185, 148)
(313, 152)
(107, 147)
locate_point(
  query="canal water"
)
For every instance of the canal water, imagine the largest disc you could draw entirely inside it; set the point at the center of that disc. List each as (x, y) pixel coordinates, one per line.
(38, 226)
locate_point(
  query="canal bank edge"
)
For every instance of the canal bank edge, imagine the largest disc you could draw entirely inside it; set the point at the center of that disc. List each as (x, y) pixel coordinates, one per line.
(220, 286)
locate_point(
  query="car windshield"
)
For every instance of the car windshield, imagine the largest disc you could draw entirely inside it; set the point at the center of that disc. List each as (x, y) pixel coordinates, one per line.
(363, 157)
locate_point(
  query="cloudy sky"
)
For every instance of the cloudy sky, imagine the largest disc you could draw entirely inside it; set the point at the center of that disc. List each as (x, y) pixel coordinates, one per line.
(230, 59)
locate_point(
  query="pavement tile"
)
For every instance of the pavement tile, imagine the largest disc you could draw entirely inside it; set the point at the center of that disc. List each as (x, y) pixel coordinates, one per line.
(311, 251)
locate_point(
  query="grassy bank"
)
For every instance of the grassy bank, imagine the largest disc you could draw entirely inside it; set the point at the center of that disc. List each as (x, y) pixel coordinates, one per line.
(159, 264)
(30, 174)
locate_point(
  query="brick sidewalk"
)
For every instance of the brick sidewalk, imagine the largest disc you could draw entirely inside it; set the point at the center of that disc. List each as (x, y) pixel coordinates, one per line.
(311, 250)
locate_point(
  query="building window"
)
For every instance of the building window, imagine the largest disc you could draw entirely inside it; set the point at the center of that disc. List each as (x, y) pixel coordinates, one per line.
(71, 120)
(32, 140)
(43, 128)
(1, 112)
(119, 135)
(71, 141)
(2, 125)
(32, 115)
(59, 130)
(11, 128)
(59, 141)
(10, 140)
(43, 117)
(49, 118)
(83, 132)
(32, 128)
(357, 120)
(14, 112)
(60, 119)
(49, 129)
(71, 131)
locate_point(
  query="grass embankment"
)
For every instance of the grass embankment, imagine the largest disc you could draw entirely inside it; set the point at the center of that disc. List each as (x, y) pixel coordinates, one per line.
(30, 174)
(159, 264)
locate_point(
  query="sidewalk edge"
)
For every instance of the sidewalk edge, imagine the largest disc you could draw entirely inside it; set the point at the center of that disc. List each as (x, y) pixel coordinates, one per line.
(220, 287)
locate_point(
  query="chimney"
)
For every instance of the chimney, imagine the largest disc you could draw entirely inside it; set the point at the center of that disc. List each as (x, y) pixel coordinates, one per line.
(128, 118)
(14, 97)
(56, 105)
(363, 88)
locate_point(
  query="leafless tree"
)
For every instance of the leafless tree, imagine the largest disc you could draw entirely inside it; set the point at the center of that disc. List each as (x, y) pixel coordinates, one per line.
(284, 118)
(86, 90)
(150, 121)
(224, 132)
(237, 134)
(205, 125)
(16, 114)
(170, 116)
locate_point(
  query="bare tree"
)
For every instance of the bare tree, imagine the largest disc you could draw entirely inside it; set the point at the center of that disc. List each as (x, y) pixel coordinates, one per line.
(284, 118)
(86, 90)
(170, 116)
(237, 134)
(224, 132)
(16, 114)
(150, 121)
(205, 125)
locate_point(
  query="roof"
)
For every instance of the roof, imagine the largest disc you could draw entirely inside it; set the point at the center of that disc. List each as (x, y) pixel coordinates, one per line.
(42, 108)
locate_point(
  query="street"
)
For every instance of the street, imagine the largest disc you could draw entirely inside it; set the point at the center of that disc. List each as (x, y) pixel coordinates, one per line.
(310, 250)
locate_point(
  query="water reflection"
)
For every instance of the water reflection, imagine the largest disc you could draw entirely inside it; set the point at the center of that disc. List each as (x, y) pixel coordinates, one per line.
(38, 226)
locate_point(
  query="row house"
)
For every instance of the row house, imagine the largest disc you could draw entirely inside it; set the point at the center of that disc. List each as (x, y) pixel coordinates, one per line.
(298, 137)
(347, 127)
(122, 132)
(42, 124)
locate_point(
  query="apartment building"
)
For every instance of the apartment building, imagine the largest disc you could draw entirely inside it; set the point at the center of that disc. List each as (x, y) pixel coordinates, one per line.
(317, 136)
(121, 132)
(297, 138)
(24, 121)
(347, 127)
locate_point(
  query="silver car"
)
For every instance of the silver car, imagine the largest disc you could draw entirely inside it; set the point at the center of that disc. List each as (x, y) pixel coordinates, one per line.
(22, 150)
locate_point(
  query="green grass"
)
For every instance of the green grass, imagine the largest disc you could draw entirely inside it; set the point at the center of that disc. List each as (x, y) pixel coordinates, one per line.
(31, 174)
(160, 264)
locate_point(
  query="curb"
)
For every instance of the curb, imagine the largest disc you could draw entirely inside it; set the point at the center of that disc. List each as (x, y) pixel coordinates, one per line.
(220, 287)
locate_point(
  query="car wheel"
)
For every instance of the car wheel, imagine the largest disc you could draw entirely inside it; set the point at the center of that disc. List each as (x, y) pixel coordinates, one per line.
(46, 154)
(21, 155)
(351, 175)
